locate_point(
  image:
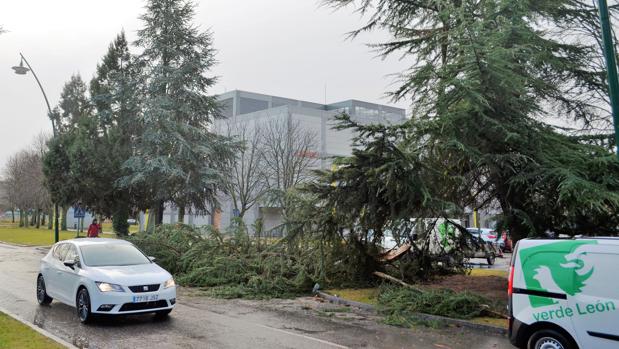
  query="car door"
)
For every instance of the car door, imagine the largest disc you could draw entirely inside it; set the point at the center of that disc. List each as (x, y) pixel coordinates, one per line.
(595, 304)
(52, 279)
(69, 278)
(47, 267)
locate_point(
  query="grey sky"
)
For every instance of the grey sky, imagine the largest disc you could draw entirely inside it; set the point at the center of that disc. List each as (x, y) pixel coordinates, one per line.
(290, 48)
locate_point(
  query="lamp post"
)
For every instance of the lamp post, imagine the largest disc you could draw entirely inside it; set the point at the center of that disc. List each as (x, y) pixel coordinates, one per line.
(611, 67)
(21, 70)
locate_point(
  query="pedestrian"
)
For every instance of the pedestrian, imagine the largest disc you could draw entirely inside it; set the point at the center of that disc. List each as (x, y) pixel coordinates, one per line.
(94, 229)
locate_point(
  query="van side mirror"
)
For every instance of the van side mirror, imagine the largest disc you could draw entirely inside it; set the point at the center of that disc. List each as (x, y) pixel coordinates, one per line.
(152, 259)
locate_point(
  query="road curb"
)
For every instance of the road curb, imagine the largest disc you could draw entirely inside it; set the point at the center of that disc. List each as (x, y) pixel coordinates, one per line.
(38, 329)
(423, 317)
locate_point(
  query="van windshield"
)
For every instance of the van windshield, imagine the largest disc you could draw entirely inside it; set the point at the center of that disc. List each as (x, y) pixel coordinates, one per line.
(107, 255)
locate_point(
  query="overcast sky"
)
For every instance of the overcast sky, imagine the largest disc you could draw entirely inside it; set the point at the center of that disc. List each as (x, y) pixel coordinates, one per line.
(289, 48)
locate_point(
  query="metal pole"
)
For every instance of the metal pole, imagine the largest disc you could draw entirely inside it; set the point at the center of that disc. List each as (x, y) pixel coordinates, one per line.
(611, 65)
(49, 109)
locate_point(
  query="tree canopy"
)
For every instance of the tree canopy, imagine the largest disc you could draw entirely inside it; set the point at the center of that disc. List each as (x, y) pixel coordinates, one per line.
(179, 159)
(139, 135)
(484, 79)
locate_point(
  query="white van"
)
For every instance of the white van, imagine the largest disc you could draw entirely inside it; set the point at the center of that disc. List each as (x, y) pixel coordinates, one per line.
(564, 294)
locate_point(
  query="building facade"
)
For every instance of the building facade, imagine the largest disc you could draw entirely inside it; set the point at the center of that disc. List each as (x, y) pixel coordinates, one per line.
(253, 110)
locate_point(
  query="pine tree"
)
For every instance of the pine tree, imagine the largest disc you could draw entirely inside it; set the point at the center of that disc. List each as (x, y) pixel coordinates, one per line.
(113, 93)
(483, 77)
(179, 159)
(62, 163)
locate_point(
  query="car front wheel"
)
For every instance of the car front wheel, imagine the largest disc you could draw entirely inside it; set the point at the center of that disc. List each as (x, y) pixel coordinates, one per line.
(549, 339)
(42, 296)
(83, 306)
(162, 314)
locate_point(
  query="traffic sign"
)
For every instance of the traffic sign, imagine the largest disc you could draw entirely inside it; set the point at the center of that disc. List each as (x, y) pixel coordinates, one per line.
(79, 212)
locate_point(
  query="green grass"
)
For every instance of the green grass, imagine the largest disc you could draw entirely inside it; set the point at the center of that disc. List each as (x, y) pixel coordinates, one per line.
(491, 321)
(107, 228)
(488, 272)
(31, 236)
(365, 295)
(14, 334)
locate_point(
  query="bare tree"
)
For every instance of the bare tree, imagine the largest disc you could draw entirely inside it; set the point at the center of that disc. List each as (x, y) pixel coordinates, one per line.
(42, 197)
(246, 186)
(25, 183)
(289, 152)
(6, 201)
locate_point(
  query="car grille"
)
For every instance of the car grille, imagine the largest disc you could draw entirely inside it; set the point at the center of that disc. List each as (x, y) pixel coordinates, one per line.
(144, 305)
(144, 288)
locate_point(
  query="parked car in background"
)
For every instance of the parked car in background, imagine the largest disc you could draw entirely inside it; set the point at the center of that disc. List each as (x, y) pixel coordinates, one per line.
(490, 236)
(104, 276)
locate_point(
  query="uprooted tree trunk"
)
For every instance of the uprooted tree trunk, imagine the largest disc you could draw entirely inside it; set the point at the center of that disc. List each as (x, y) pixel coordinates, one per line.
(396, 281)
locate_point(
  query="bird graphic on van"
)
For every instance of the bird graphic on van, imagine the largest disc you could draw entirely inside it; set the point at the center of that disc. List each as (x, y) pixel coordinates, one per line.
(557, 267)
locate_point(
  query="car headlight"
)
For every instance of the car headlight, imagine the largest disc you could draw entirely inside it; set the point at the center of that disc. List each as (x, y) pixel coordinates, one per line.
(169, 283)
(107, 287)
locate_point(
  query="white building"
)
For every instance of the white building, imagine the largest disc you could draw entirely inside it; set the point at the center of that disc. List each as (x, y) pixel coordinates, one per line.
(253, 109)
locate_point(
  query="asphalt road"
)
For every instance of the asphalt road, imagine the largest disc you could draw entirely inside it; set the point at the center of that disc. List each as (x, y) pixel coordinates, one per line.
(199, 322)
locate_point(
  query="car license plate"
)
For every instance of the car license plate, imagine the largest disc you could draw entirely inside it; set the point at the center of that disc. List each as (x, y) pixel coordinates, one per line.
(141, 299)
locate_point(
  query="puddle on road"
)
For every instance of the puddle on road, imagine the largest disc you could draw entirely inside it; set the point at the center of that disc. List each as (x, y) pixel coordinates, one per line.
(57, 319)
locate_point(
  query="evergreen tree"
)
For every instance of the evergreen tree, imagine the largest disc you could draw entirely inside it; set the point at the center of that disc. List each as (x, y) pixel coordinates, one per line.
(179, 159)
(74, 105)
(62, 163)
(483, 76)
(113, 93)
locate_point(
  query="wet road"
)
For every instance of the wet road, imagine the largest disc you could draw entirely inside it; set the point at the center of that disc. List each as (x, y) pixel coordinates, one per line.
(199, 322)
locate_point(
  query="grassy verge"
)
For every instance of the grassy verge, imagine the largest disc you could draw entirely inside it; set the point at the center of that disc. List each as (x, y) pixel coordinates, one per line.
(31, 236)
(108, 228)
(14, 334)
(364, 295)
(398, 304)
(488, 272)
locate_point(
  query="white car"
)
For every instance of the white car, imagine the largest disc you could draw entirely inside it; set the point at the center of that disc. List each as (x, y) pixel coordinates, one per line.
(104, 276)
(488, 235)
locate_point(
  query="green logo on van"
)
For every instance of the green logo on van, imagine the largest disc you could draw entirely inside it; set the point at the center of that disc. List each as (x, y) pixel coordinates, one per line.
(447, 233)
(553, 267)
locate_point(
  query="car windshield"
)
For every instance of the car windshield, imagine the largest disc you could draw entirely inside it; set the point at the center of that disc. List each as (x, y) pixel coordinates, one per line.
(106, 255)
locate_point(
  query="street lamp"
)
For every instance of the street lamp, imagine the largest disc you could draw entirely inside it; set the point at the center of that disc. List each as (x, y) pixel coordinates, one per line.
(21, 70)
(611, 67)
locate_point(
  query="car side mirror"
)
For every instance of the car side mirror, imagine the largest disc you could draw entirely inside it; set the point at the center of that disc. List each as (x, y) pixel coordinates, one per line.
(72, 264)
(152, 259)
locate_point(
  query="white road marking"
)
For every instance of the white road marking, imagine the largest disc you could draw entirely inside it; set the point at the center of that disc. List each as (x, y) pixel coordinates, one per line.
(304, 337)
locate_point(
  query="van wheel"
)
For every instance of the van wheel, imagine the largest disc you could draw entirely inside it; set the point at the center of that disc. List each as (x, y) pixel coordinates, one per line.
(549, 339)
(491, 259)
